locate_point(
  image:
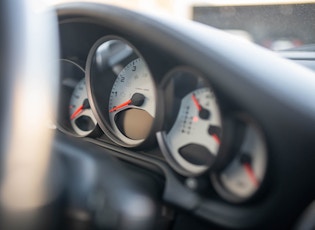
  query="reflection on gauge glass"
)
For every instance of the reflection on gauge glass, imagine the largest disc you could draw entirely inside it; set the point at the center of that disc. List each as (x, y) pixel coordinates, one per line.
(122, 91)
(81, 116)
(193, 139)
(242, 178)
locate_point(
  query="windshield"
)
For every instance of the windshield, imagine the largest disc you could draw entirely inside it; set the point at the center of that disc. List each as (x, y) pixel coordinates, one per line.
(274, 26)
(277, 25)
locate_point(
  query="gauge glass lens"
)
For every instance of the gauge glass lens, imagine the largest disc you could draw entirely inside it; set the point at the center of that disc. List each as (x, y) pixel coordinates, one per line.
(132, 102)
(81, 116)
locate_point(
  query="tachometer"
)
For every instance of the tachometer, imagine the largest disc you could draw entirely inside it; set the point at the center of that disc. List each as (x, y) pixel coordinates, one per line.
(122, 90)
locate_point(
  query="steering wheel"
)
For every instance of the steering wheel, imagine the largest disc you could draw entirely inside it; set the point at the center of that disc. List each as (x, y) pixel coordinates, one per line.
(45, 175)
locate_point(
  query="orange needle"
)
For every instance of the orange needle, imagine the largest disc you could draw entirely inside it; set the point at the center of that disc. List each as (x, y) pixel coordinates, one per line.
(137, 99)
(77, 112)
(246, 161)
(196, 102)
(85, 105)
(120, 106)
(203, 113)
(250, 172)
(216, 138)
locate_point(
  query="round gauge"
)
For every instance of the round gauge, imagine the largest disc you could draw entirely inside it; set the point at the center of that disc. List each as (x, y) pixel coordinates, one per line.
(82, 119)
(191, 142)
(75, 115)
(122, 90)
(243, 176)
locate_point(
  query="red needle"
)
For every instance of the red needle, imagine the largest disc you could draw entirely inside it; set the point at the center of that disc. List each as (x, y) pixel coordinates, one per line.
(137, 99)
(120, 106)
(77, 112)
(203, 113)
(196, 102)
(250, 172)
(216, 138)
(85, 105)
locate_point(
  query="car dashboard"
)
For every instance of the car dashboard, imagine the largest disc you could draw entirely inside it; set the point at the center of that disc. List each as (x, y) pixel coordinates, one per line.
(195, 115)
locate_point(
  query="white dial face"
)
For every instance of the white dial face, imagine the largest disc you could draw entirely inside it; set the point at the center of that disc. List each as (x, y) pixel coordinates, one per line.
(82, 119)
(243, 176)
(133, 89)
(197, 127)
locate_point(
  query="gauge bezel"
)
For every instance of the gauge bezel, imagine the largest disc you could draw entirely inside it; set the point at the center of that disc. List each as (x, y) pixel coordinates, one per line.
(215, 175)
(103, 123)
(161, 135)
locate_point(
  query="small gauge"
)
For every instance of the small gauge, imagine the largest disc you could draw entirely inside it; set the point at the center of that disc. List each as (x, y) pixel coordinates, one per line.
(243, 176)
(74, 115)
(192, 141)
(82, 119)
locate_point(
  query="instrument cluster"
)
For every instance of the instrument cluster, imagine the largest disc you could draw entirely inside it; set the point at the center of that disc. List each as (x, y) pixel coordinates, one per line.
(117, 99)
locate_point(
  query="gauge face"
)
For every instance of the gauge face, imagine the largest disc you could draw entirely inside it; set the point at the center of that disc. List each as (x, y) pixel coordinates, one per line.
(194, 139)
(82, 119)
(132, 103)
(242, 178)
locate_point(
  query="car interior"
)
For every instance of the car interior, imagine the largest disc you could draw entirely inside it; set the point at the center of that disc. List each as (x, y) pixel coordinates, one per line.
(117, 119)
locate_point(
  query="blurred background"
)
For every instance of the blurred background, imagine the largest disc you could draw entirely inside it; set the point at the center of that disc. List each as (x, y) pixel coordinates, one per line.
(274, 24)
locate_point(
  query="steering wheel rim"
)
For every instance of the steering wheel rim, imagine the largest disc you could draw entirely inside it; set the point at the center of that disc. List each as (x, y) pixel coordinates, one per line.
(29, 50)
(33, 175)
